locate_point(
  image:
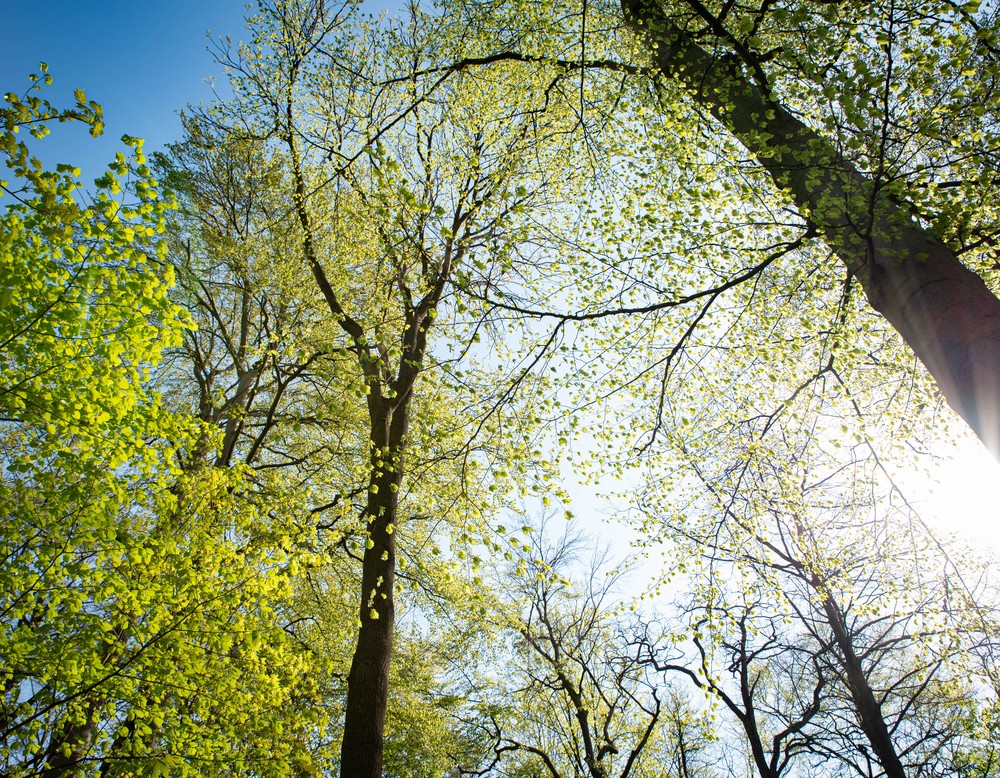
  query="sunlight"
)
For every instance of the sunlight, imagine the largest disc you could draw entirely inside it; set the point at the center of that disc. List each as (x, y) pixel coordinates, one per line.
(962, 494)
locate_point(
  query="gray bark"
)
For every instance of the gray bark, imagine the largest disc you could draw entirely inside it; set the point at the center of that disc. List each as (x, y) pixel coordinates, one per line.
(943, 311)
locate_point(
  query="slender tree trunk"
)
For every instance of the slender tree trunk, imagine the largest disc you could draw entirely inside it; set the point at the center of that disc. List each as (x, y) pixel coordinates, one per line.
(389, 415)
(368, 682)
(867, 708)
(942, 310)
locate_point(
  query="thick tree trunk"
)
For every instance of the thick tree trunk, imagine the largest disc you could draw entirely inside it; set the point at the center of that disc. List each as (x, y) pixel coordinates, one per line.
(942, 310)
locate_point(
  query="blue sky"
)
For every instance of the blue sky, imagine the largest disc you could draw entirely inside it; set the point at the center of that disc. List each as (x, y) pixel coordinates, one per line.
(142, 61)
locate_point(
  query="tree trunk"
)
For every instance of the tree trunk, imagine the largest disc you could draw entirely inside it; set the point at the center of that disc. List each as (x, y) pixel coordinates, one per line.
(942, 310)
(70, 744)
(368, 681)
(389, 413)
(867, 708)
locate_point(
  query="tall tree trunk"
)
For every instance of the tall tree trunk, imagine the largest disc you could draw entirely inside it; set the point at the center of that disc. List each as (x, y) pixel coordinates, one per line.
(942, 310)
(368, 681)
(389, 416)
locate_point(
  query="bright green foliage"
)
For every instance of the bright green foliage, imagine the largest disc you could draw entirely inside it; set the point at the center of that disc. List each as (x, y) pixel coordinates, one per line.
(153, 636)
(84, 304)
(696, 239)
(593, 255)
(137, 625)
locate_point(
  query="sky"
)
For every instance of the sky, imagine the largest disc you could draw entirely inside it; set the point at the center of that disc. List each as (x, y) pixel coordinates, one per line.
(142, 61)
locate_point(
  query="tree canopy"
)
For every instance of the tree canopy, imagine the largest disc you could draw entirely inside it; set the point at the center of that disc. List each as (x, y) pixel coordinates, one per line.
(288, 412)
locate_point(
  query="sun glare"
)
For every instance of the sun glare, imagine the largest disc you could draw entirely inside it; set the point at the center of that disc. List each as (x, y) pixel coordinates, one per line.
(962, 495)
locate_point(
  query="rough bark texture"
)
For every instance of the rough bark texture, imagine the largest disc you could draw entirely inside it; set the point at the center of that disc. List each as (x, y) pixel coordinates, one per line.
(942, 310)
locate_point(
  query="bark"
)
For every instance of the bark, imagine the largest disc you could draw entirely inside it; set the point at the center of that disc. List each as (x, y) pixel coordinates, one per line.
(368, 681)
(867, 708)
(388, 413)
(70, 744)
(941, 309)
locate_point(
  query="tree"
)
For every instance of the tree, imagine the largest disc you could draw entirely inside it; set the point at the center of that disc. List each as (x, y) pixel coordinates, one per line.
(573, 693)
(262, 370)
(892, 186)
(257, 352)
(942, 309)
(121, 563)
(394, 191)
(775, 686)
(878, 652)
